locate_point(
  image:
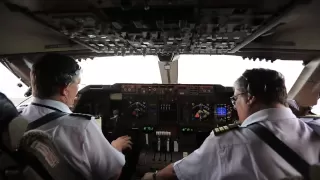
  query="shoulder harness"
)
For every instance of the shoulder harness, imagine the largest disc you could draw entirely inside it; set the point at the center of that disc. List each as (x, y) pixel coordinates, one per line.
(86, 116)
(220, 130)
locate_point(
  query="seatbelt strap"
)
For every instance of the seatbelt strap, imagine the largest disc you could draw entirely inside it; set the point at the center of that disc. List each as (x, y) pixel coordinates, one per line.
(282, 149)
(45, 119)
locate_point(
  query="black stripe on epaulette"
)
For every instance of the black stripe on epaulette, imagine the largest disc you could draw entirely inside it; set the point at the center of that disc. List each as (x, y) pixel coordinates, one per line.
(23, 105)
(86, 116)
(223, 129)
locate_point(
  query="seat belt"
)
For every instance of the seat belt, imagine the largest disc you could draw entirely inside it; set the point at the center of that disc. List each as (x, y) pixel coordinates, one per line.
(45, 119)
(282, 149)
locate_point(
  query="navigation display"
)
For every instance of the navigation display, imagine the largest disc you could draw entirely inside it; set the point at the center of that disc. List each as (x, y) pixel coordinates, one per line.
(221, 111)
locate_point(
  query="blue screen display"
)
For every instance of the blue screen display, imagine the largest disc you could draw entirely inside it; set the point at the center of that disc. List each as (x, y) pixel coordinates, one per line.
(221, 111)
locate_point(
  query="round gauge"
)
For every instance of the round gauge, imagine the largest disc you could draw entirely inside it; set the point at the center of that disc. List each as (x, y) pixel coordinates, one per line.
(200, 112)
(137, 109)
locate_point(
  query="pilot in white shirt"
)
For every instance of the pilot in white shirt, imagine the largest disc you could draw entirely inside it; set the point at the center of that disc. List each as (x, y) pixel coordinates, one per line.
(55, 79)
(260, 97)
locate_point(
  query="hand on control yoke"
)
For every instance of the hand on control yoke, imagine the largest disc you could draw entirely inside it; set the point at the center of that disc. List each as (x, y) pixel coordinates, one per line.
(122, 143)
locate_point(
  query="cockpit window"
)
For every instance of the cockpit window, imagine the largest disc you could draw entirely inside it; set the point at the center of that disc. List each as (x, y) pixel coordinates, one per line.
(9, 85)
(192, 69)
(128, 69)
(316, 108)
(224, 70)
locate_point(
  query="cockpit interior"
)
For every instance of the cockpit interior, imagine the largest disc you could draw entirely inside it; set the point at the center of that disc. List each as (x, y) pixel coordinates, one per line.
(167, 118)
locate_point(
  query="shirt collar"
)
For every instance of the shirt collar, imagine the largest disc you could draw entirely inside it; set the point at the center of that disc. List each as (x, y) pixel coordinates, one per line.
(52, 103)
(268, 115)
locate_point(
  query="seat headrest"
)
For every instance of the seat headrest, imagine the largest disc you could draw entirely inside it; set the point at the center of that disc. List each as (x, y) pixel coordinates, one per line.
(7, 112)
(16, 129)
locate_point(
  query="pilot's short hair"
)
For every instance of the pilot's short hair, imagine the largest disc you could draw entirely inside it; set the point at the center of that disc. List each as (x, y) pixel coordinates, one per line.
(53, 72)
(267, 85)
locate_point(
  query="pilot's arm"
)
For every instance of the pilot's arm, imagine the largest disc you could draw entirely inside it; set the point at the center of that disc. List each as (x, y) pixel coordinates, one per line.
(314, 124)
(105, 161)
(193, 166)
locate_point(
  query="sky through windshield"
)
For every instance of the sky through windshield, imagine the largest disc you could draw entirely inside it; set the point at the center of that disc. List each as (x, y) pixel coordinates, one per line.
(193, 69)
(224, 70)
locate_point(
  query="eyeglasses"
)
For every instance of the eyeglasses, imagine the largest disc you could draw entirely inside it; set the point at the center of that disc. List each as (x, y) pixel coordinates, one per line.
(234, 99)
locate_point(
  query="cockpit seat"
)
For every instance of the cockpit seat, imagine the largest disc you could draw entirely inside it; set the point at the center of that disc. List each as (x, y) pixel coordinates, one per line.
(28, 155)
(38, 149)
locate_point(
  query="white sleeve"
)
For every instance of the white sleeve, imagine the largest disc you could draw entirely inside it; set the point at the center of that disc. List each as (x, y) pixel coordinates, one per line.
(201, 164)
(105, 161)
(314, 125)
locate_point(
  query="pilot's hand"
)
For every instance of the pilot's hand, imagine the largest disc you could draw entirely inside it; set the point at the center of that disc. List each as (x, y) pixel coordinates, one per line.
(147, 176)
(122, 143)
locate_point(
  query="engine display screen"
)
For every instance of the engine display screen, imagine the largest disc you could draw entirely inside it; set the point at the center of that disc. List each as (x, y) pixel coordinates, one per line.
(222, 113)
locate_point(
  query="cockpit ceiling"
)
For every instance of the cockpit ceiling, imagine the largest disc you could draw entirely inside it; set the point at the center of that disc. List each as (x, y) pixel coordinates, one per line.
(265, 29)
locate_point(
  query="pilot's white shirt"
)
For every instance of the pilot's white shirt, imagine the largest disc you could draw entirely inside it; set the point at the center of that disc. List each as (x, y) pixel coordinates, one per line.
(240, 154)
(79, 140)
(314, 123)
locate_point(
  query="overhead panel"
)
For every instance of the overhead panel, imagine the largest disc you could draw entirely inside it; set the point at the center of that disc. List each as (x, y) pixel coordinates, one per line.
(158, 27)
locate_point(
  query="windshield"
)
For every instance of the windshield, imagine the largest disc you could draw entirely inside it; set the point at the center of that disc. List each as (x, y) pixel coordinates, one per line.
(193, 69)
(224, 70)
(316, 108)
(9, 85)
(128, 69)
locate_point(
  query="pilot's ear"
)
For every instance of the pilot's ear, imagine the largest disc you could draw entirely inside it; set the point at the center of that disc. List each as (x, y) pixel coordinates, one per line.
(251, 99)
(64, 91)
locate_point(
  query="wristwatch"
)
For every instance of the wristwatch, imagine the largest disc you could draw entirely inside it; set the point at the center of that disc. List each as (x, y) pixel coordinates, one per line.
(154, 175)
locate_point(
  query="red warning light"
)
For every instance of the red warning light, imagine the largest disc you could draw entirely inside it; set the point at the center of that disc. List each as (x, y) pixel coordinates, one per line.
(197, 115)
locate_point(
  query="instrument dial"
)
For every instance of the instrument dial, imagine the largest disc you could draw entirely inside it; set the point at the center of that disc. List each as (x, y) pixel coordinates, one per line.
(137, 109)
(201, 111)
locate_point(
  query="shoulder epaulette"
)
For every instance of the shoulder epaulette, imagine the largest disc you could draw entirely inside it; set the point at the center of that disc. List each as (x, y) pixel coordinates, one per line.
(23, 106)
(220, 130)
(86, 116)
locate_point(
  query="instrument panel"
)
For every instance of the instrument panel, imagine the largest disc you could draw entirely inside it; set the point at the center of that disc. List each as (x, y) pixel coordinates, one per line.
(163, 89)
(200, 106)
(166, 121)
